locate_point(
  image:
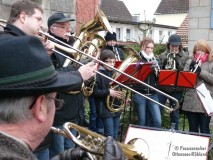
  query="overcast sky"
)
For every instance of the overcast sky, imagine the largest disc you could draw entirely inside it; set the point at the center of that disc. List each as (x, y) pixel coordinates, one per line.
(142, 7)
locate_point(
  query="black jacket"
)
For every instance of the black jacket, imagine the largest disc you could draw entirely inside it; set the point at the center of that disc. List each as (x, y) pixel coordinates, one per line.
(150, 80)
(70, 112)
(100, 93)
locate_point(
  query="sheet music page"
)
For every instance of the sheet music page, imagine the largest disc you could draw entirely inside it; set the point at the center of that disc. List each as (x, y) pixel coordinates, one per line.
(167, 145)
(205, 98)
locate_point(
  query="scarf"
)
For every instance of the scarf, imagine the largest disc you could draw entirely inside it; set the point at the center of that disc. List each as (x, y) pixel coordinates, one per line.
(148, 57)
(203, 58)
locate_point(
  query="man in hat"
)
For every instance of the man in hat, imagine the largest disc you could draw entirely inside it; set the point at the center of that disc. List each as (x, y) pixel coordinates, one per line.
(175, 53)
(28, 99)
(112, 44)
(59, 27)
(25, 19)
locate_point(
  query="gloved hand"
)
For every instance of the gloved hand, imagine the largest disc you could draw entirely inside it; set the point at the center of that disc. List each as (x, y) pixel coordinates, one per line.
(164, 64)
(194, 67)
(112, 150)
(154, 63)
(72, 154)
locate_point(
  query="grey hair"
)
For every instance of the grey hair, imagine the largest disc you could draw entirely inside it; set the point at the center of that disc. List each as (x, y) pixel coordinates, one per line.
(15, 110)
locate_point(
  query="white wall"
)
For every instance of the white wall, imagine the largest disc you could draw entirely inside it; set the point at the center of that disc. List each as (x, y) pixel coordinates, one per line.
(137, 35)
(171, 19)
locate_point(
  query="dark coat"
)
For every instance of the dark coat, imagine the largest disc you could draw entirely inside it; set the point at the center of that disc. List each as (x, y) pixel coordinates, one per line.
(70, 112)
(151, 80)
(181, 58)
(11, 149)
(100, 93)
(11, 31)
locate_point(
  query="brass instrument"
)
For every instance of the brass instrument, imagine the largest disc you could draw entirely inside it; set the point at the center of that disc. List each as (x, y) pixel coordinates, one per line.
(117, 56)
(98, 23)
(170, 63)
(94, 143)
(121, 72)
(132, 58)
(92, 48)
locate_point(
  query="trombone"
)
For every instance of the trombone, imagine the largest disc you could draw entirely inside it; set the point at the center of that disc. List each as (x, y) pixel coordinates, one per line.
(69, 49)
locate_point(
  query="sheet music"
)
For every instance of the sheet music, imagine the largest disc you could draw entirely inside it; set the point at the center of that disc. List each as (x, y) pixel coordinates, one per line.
(205, 98)
(167, 145)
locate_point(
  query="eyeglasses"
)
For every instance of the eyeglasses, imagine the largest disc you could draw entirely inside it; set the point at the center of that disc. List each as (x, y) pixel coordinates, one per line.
(110, 61)
(58, 103)
(62, 27)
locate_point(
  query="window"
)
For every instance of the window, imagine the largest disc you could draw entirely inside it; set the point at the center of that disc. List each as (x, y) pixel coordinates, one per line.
(118, 33)
(150, 33)
(169, 33)
(160, 36)
(128, 33)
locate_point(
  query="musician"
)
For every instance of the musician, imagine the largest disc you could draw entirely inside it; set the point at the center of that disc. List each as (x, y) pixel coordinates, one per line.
(59, 27)
(28, 100)
(95, 124)
(25, 19)
(112, 44)
(102, 89)
(143, 106)
(197, 118)
(175, 53)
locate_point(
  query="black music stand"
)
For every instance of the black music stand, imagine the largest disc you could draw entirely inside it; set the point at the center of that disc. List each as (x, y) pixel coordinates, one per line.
(139, 71)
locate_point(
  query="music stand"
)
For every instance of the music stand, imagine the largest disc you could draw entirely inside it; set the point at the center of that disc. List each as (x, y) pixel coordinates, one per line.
(137, 70)
(187, 79)
(117, 64)
(167, 77)
(177, 78)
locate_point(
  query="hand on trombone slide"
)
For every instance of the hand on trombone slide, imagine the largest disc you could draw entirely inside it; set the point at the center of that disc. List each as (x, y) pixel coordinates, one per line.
(87, 70)
(48, 45)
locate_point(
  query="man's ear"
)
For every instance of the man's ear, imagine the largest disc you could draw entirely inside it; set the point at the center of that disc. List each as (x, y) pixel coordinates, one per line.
(22, 17)
(40, 108)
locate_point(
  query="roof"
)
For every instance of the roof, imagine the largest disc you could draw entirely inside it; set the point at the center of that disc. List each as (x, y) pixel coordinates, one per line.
(172, 7)
(116, 11)
(183, 31)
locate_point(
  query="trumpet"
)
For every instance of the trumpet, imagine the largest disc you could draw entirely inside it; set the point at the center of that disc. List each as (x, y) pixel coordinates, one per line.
(171, 63)
(94, 143)
(67, 47)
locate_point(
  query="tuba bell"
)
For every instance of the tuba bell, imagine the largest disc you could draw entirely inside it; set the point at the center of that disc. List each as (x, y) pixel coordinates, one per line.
(133, 57)
(98, 23)
(92, 48)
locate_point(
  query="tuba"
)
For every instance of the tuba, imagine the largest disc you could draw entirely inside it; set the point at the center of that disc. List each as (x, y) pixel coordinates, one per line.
(92, 48)
(94, 143)
(98, 23)
(133, 57)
